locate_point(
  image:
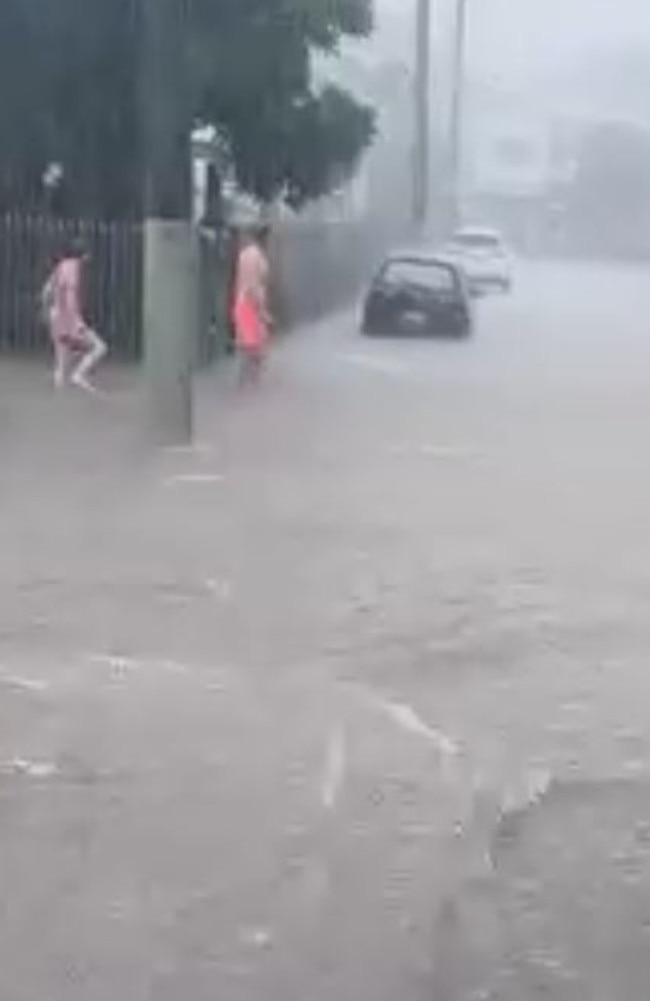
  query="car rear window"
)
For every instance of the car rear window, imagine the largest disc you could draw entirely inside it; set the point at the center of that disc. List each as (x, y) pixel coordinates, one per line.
(427, 274)
(478, 241)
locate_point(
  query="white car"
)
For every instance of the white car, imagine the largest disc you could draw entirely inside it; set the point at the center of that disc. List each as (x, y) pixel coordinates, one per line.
(484, 258)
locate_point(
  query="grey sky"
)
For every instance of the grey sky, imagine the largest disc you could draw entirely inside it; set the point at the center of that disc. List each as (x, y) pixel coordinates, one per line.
(536, 32)
(523, 35)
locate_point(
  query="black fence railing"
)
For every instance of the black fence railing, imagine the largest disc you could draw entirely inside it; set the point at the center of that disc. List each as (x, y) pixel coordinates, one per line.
(317, 268)
(29, 246)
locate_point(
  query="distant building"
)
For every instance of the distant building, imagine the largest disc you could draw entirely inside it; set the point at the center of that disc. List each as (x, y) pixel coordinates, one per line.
(519, 157)
(508, 157)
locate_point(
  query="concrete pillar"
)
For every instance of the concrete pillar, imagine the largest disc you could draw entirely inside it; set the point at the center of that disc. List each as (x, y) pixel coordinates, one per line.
(171, 324)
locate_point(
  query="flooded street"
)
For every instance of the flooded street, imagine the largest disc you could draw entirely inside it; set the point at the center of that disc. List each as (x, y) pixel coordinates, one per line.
(289, 715)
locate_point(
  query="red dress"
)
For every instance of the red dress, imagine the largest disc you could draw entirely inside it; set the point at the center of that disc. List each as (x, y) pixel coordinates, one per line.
(251, 326)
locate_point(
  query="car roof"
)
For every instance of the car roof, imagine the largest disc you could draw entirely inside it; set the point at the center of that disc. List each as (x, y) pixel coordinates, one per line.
(484, 231)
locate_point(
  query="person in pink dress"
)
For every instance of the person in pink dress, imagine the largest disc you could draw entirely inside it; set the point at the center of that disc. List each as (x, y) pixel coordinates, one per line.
(251, 315)
(78, 348)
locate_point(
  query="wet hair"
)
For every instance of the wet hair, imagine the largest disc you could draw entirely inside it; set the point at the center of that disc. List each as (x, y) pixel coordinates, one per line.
(73, 247)
(263, 233)
(255, 233)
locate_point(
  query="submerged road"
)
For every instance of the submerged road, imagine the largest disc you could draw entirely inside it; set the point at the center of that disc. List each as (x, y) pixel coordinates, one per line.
(352, 700)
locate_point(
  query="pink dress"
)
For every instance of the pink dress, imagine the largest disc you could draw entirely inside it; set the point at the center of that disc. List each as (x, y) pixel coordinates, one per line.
(67, 326)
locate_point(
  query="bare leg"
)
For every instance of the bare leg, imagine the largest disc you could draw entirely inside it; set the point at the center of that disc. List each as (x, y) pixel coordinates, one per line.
(245, 369)
(257, 364)
(60, 364)
(251, 365)
(96, 351)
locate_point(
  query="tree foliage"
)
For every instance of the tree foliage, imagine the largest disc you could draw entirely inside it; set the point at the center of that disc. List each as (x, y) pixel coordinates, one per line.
(253, 78)
(69, 77)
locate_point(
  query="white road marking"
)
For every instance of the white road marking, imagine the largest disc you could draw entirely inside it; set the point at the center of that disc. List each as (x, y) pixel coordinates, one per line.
(29, 769)
(173, 666)
(334, 771)
(194, 479)
(406, 718)
(257, 938)
(34, 685)
(388, 366)
(219, 588)
(199, 448)
(116, 663)
(121, 665)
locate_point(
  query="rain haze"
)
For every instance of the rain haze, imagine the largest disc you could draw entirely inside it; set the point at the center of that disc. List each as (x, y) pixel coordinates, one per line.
(324, 492)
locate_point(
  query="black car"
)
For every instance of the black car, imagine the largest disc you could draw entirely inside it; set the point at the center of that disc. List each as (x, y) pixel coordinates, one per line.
(418, 293)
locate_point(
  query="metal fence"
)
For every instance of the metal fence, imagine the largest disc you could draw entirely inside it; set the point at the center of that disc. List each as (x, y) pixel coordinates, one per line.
(316, 268)
(29, 246)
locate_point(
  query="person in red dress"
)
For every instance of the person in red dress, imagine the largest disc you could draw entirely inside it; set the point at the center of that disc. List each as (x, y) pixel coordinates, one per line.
(78, 348)
(251, 314)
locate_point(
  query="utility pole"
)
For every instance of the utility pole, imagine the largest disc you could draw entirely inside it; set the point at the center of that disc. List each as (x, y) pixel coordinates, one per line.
(422, 116)
(457, 115)
(170, 293)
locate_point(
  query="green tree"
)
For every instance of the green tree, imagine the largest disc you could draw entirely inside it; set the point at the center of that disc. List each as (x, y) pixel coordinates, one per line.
(69, 93)
(253, 77)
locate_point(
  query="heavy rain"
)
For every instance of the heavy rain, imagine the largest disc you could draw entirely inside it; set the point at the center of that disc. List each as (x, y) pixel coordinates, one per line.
(324, 569)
